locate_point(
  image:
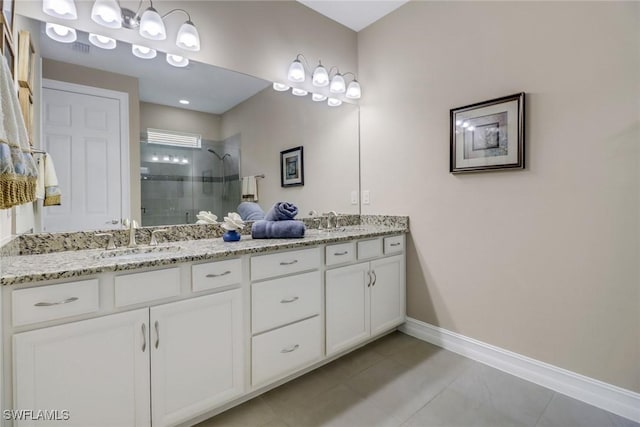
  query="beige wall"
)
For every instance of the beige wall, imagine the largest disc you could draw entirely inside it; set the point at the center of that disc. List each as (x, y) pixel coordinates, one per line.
(180, 120)
(543, 262)
(271, 122)
(259, 38)
(71, 73)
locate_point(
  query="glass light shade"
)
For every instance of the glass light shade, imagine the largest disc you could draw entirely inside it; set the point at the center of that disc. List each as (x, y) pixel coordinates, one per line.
(318, 97)
(152, 26)
(280, 87)
(177, 60)
(60, 33)
(188, 37)
(65, 9)
(155, 157)
(299, 92)
(320, 76)
(353, 90)
(296, 72)
(184, 160)
(143, 51)
(465, 124)
(334, 102)
(337, 84)
(165, 158)
(102, 42)
(107, 13)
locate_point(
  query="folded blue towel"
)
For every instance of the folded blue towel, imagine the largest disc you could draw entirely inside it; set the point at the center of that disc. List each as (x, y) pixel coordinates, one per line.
(287, 229)
(281, 211)
(250, 211)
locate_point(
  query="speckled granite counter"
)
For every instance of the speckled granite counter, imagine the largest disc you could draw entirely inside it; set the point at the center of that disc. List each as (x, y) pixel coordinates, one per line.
(25, 269)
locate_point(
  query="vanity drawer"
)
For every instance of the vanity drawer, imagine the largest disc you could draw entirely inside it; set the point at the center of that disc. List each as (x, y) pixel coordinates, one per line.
(369, 249)
(393, 244)
(285, 350)
(217, 274)
(288, 299)
(54, 302)
(148, 286)
(281, 263)
(339, 254)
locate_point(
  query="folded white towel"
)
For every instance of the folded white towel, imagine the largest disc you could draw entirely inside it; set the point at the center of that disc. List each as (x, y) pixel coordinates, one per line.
(40, 181)
(52, 192)
(250, 188)
(206, 217)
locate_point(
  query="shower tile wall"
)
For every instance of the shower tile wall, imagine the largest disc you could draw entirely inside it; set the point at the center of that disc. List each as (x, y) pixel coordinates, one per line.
(173, 192)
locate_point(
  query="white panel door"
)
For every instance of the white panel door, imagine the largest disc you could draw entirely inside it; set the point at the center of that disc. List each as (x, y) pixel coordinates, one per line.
(97, 369)
(197, 357)
(82, 134)
(387, 294)
(347, 307)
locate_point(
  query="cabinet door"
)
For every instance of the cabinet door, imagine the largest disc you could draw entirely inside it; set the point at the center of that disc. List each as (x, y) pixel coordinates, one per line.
(387, 294)
(97, 370)
(347, 307)
(197, 358)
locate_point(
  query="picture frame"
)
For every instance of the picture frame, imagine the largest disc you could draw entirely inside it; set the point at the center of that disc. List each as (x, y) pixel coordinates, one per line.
(8, 14)
(26, 60)
(488, 136)
(292, 167)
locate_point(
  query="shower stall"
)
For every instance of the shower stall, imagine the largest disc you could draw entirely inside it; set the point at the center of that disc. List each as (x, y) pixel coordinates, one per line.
(177, 182)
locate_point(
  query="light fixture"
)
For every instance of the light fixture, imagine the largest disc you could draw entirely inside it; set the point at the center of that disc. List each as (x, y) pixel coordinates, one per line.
(184, 160)
(143, 51)
(102, 41)
(320, 76)
(299, 92)
(471, 128)
(177, 60)
(165, 158)
(334, 102)
(107, 13)
(280, 87)
(60, 33)
(465, 124)
(184, 102)
(296, 70)
(318, 97)
(353, 90)
(337, 84)
(154, 157)
(188, 37)
(65, 9)
(176, 159)
(151, 25)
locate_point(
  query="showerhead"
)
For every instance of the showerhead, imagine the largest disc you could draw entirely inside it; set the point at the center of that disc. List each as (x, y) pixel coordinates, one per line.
(217, 155)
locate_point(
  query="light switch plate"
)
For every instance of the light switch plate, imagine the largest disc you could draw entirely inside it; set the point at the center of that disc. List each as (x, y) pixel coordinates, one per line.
(354, 197)
(366, 198)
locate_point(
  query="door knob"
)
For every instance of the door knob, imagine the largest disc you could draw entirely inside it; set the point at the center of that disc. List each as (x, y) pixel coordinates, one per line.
(113, 221)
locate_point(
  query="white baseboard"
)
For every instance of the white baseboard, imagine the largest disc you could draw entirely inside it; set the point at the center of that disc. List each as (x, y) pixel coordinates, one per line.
(611, 398)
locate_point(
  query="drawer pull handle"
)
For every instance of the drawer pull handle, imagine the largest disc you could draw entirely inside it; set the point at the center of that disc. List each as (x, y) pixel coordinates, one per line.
(212, 275)
(290, 349)
(370, 279)
(289, 262)
(144, 337)
(375, 278)
(49, 304)
(288, 300)
(341, 253)
(395, 244)
(157, 333)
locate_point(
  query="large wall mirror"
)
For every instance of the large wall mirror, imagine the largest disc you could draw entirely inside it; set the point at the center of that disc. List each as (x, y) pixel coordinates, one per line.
(193, 133)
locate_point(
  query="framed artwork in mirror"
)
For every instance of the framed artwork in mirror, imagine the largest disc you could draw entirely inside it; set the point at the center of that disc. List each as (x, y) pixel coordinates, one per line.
(292, 167)
(488, 135)
(8, 14)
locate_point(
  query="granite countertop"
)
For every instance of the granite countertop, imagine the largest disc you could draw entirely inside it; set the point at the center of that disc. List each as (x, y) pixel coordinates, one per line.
(24, 269)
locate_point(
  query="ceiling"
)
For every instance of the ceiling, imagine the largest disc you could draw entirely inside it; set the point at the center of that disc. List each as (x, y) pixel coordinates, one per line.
(354, 14)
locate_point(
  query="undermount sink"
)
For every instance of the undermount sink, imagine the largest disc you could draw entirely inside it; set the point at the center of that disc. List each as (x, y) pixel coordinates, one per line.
(336, 230)
(137, 253)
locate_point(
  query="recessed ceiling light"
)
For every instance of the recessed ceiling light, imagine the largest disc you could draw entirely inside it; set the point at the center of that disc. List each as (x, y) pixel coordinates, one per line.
(184, 102)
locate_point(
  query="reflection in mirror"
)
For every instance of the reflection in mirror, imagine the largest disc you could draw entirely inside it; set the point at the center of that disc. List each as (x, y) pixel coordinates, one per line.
(241, 125)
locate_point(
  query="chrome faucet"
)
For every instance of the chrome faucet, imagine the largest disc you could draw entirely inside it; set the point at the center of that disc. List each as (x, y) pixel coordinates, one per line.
(154, 240)
(131, 225)
(329, 215)
(110, 243)
(316, 219)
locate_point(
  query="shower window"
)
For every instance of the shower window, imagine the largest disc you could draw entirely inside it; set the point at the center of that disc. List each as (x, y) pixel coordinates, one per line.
(179, 182)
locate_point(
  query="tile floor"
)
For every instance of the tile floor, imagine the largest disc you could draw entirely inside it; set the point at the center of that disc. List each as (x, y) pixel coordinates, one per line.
(401, 381)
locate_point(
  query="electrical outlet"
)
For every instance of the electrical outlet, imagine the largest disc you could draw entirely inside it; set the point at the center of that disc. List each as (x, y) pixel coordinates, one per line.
(354, 197)
(366, 197)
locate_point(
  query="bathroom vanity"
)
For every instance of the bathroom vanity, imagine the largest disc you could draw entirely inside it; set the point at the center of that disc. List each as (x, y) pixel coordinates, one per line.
(175, 334)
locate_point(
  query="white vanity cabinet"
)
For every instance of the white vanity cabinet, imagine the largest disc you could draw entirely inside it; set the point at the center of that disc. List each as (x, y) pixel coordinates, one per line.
(197, 357)
(363, 300)
(97, 369)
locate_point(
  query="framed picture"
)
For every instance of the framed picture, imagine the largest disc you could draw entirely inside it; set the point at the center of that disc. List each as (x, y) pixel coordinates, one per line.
(26, 60)
(291, 167)
(488, 135)
(8, 13)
